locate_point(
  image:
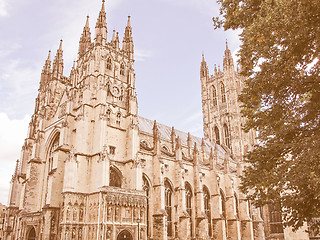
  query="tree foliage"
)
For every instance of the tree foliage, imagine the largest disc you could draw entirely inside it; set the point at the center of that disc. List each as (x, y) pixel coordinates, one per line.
(280, 44)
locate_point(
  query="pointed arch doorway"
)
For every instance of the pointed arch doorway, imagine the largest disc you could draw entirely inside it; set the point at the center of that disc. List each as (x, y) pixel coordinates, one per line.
(124, 235)
(32, 234)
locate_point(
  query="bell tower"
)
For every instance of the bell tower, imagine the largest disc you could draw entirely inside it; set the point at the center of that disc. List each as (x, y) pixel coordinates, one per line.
(222, 120)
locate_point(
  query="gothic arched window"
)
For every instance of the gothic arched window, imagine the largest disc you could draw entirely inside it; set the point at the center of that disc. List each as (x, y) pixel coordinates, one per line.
(121, 69)
(223, 204)
(214, 96)
(217, 134)
(118, 118)
(223, 92)
(168, 206)
(109, 63)
(53, 147)
(115, 178)
(236, 205)
(189, 205)
(146, 188)
(226, 135)
(207, 210)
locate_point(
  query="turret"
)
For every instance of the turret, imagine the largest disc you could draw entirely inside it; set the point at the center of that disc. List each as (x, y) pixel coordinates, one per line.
(57, 66)
(127, 45)
(46, 71)
(204, 72)
(227, 60)
(85, 40)
(101, 27)
(117, 41)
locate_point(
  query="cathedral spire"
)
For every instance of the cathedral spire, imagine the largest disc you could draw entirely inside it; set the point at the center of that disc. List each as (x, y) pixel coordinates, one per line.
(227, 60)
(101, 27)
(46, 70)
(47, 65)
(85, 40)
(57, 66)
(117, 41)
(127, 44)
(204, 68)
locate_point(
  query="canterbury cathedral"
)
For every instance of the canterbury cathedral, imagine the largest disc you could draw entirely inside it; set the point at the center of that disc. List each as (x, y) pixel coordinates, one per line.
(92, 168)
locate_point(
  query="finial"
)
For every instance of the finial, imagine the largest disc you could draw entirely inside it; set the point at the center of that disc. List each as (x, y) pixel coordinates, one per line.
(49, 55)
(60, 47)
(129, 20)
(87, 22)
(226, 43)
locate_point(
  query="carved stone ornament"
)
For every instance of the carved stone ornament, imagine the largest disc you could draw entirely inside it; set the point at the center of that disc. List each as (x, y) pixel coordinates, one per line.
(103, 154)
(115, 90)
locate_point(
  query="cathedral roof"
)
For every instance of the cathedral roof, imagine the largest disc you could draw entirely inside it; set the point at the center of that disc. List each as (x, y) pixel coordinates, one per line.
(146, 126)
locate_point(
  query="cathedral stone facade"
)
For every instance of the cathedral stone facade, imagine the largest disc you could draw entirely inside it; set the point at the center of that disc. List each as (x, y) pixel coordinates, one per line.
(92, 168)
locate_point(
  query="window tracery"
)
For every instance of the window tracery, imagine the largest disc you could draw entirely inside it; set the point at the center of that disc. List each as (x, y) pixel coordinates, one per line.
(214, 96)
(226, 135)
(207, 210)
(168, 207)
(189, 205)
(223, 92)
(217, 135)
(109, 64)
(122, 69)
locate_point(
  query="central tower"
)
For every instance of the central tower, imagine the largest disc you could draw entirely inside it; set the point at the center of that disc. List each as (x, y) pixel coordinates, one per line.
(222, 120)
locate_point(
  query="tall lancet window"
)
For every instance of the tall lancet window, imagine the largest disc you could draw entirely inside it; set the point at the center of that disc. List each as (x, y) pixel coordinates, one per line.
(115, 178)
(226, 135)
(168, 206)
(236, 205)
(223, 92)
(53, 147)
(189, 205)
(214, 96)
(109, 63)
(122, 69)
(217, 134)
(223, 204)
(146, 188)
(207, 210)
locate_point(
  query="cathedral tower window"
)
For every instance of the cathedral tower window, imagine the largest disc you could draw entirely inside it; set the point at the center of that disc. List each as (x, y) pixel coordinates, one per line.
(108, 114)
(122, 69)
(226, 135)
(115, 178)
(118, 119)
(217, 135)
(223, 93)
(189, 205)
(112, 150)
(109, 64)
(53, 147)
(214, 96)
(207, 210)
(168, 207)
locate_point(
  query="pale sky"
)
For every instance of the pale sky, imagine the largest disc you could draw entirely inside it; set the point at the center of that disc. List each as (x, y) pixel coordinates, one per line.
(169, 38)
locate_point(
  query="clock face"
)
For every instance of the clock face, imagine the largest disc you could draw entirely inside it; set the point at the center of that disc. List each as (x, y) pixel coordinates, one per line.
(115, 90)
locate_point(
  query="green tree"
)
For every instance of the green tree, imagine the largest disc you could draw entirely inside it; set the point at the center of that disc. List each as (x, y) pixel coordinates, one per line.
(280, 43)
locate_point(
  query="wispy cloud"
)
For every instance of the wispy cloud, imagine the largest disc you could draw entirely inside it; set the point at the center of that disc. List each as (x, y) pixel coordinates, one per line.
(141, 55)
(13, 133)
(4, 8)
